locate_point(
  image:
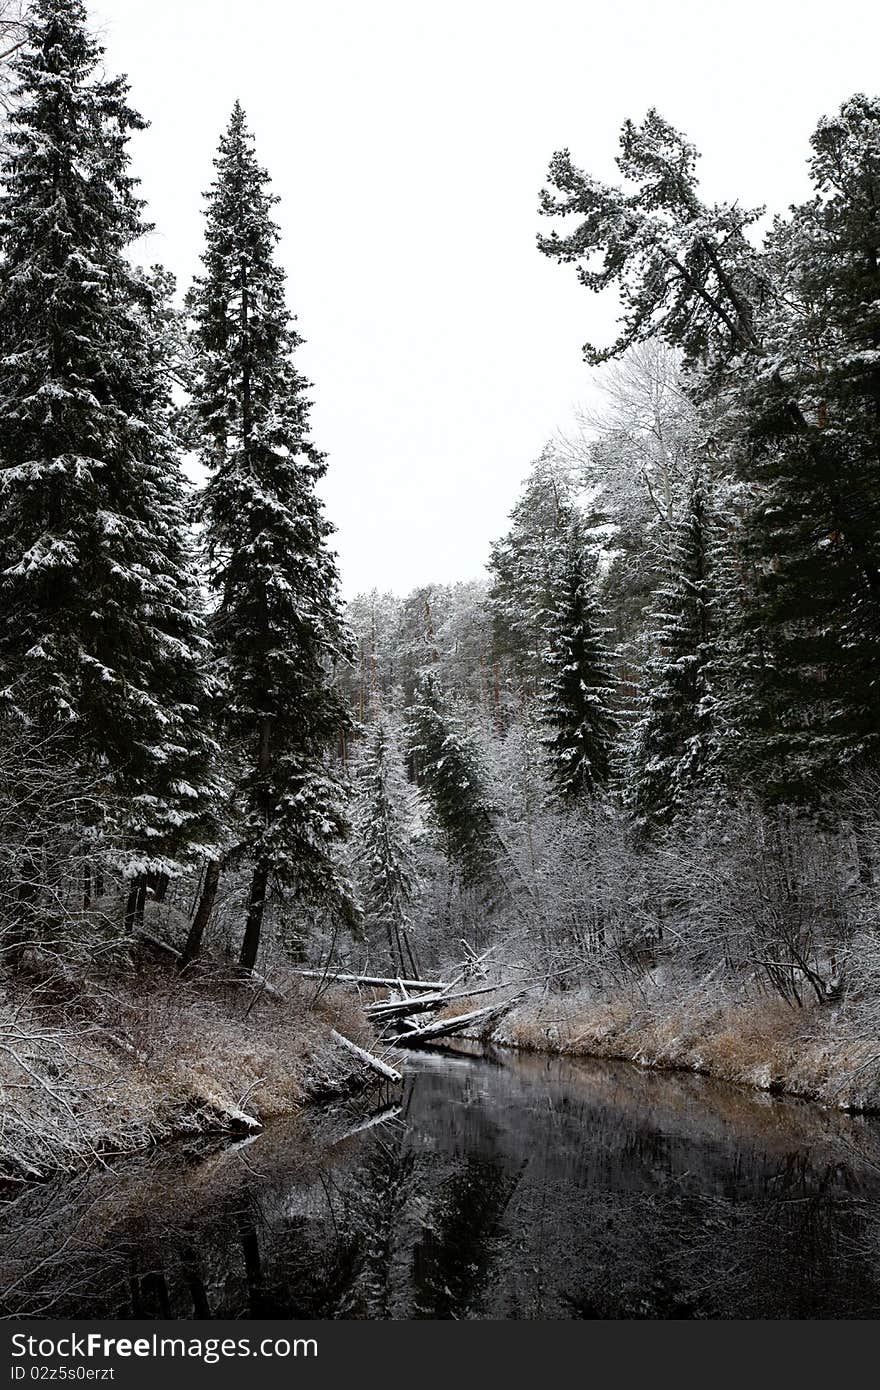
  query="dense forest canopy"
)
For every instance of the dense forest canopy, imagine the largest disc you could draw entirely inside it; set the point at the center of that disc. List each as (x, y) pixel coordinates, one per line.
(646, 742)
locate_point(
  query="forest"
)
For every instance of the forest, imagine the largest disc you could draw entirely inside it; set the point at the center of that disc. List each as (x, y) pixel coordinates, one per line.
(629, 776)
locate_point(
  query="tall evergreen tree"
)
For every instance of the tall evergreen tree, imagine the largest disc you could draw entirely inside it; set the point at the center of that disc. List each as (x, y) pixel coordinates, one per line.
(576, 689)
(99, 613)
(387, 857)
(812, 522)
(277, 624)
(448, 767)
(674, 740)
(521, 565)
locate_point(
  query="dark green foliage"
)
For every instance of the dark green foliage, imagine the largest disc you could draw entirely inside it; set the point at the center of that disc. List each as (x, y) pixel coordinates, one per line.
(521, 567)
(675, 739)
(577, 691)
(387, 860)
(448, 768)
(783, 349)
(685, 270)
(812, 521)
(100, 628)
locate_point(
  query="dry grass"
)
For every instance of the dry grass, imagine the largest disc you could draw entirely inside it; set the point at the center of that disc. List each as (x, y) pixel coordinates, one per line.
(142, 1056)
(759, 1042)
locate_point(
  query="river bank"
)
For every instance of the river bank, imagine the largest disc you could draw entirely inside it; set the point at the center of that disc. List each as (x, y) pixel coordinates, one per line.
(144, 1055)
(671, 1024)
(90, 1072)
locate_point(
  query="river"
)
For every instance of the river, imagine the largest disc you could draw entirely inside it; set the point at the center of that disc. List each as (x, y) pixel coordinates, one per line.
(492, 1186)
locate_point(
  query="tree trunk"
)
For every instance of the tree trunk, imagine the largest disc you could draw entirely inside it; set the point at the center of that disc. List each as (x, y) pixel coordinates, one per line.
(133, 918)
(864, 859)
(254, 923)
(202, 914)
(253, 1268)
(257, 897)
(159, 884)
(27, 897)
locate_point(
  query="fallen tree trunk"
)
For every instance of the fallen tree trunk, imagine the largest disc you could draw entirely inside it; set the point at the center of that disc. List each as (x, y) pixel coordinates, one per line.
(366, 1058)
(157, 944)
(374, 981)
(384, 1010)
(447, 1027)
(250, 979)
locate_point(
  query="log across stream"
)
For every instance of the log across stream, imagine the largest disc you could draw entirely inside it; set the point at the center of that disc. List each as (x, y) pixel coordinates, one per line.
(409, 1013)
(489, 1185)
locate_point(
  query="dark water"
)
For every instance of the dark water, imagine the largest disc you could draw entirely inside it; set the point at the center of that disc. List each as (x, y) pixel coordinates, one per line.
(494, 1187)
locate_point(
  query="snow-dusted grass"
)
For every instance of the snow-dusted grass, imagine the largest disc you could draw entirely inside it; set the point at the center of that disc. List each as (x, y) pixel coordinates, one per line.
(676, 1023)
(94, 1069)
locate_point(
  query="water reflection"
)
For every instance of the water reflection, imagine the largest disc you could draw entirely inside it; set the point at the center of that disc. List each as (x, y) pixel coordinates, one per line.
(503, 1187)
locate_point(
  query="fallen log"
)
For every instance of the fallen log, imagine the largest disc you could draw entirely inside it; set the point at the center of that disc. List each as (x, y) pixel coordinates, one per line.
(386, 1009)
(163, 947)
(447, 1027)
(374, 981)
(366, 1058)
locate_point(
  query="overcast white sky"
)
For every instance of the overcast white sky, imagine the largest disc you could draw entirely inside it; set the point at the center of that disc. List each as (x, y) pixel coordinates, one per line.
(408, 140)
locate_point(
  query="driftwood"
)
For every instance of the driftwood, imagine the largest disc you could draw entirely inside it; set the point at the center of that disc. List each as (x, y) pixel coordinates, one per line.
(374, 981)
(398, 1016)
(366, 1058)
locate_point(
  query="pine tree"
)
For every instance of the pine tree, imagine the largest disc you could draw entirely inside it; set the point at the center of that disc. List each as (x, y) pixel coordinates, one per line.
(675, 739)
(576, 687)
(277, 625)
(389, 870)
(100, 631)
(685, 270)
(448, 767)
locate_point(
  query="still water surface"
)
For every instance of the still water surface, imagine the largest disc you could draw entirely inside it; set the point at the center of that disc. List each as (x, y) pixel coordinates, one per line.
(497, 1186)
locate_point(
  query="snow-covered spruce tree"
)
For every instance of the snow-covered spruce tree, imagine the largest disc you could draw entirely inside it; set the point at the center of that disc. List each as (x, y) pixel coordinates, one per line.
(386, 853)
(576, 690)
(675, 740)
(812, 526)
(277, 624)
(448, 767)
(520, 566)
(100, 632)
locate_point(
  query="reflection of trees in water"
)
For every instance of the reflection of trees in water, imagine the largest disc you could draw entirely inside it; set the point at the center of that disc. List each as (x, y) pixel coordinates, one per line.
(190, 1265)
(314, 1266)
(453, 1259)
(378, 1213)
(488, 1203)
(680, 1254)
